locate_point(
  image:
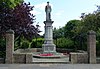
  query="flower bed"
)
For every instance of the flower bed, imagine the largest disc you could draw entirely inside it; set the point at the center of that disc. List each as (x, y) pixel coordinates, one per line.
(47, 54)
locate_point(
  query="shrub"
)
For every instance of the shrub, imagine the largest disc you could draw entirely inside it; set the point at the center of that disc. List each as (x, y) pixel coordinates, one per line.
(37, 43)
(64, 43)
(2, 47)
(25, 45)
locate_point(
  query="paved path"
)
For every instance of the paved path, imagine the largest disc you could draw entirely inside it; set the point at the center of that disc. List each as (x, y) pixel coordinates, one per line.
(49, 66)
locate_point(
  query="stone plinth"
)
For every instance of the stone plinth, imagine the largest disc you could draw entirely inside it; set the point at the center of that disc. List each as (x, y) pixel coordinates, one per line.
(9, 46)
(48, 46)
(91, 46)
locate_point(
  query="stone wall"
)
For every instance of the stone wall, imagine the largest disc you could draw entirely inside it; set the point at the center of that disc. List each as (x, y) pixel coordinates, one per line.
(79, 57)
(2, 60)
(29, 58)
(19, 58)
(22, 58)
(31, 50)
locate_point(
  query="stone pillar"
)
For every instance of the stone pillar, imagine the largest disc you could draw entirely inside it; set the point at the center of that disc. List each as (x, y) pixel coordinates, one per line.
(9, 46)
(48, 46)
(91, 47)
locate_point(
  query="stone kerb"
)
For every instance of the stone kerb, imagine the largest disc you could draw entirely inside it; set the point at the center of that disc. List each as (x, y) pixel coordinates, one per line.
(9, 46)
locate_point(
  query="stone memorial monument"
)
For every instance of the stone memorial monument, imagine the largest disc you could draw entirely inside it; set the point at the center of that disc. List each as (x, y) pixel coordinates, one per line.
(48, 46)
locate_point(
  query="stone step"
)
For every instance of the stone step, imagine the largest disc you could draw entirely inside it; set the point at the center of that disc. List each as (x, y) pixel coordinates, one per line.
(53, 60)
(50, 57)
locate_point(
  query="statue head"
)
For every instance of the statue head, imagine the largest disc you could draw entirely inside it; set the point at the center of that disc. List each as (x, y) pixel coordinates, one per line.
(48, 2)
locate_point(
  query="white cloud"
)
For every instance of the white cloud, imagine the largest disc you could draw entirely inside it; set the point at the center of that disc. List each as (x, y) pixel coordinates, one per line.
(38, 8)
(35, 12)
(59, 13)
(41, 6)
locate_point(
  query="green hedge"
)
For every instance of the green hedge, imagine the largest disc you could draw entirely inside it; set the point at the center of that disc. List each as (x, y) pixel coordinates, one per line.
(64, 43)
(2, 47)
(37, 43)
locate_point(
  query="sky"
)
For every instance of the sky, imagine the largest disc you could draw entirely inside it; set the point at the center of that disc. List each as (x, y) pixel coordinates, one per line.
(62, 10)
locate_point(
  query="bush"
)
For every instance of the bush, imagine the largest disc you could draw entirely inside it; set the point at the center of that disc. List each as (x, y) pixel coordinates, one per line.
(64, 43)
(2, 47)
(37, 43)
(98, 48)
(25, 45)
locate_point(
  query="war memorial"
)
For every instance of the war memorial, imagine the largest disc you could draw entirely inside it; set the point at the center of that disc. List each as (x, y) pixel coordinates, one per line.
(48, 53)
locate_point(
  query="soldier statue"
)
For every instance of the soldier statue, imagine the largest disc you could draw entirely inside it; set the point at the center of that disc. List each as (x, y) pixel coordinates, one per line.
(48, 11)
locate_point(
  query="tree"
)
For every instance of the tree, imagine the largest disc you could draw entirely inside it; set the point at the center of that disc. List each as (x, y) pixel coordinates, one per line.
(58, 33)
(91, 21)
(11, 3)
(64, 43)
(24, 20)
(18, 19)
(72, 28)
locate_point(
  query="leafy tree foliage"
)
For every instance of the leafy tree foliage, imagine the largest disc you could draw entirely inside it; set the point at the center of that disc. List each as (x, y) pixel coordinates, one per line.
(19, 19)
(64, 43)
(91, 20)
(36, 43)
(72, 28)
(76, 30)
(24, 20)
(69, 35)
(10, 3)
(58, 33)
(2, 47)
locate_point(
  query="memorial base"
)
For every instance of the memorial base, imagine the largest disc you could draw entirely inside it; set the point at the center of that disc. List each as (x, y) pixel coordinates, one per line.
(49, 48)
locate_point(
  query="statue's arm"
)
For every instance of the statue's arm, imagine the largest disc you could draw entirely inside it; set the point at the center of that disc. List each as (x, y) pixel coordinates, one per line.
(50, 9)
(46, 9)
